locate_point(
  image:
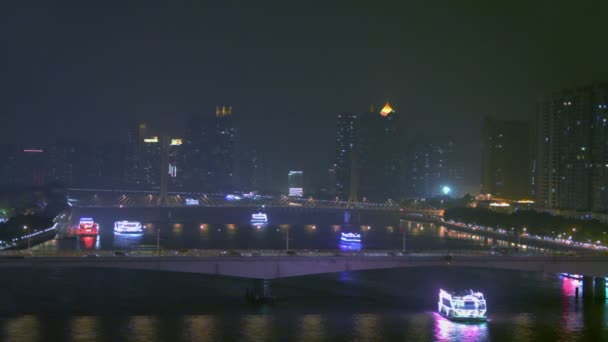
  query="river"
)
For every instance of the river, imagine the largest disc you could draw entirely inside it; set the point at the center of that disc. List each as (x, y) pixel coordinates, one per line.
(381, 305)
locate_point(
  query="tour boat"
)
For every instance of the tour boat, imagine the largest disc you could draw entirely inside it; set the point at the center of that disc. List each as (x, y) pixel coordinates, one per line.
(128, 227)
(87, 227)
(467, 306)
(258, 219)
(350, 241)
(572, 276)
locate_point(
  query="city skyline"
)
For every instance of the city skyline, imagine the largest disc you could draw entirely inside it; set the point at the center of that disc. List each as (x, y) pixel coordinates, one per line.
(74, 70)
(281, 170)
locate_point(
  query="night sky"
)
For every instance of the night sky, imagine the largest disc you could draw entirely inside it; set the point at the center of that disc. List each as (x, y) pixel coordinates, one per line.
(83, 69)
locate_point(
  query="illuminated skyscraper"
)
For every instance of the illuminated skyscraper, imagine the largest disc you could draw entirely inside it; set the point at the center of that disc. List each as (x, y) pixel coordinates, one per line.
(570, 169)
(150, 162)
(175, 160)
(296, 183)
(347, 143)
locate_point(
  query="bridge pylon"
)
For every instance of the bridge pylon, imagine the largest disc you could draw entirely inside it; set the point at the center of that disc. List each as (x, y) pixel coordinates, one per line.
(164, 170)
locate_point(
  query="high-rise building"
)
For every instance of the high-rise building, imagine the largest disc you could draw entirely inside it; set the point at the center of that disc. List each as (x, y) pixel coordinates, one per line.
(176, 162)
(210, 151)
(31, 166)
(136, 133)
(345, 166)
(150, 162)
(506, 159)
(223, 154)
(296, 183)
(368, 163)
(197, 143)
(570, 167)
(379, 154)
(431, 170)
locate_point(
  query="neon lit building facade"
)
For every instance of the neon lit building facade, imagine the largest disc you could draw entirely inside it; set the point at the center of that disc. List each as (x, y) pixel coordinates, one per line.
(296, 183)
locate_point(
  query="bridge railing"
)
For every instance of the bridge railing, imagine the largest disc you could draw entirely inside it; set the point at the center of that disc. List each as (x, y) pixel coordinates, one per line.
(276, 252)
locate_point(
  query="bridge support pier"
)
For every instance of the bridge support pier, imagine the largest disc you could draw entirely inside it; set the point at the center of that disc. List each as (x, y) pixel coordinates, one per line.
(599, 290)
(587, 287)
(261, 292)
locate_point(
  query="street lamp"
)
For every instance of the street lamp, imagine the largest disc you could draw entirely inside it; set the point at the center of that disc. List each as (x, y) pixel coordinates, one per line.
(28, 236)
(158, 241)
(287, 239)
(403, 251)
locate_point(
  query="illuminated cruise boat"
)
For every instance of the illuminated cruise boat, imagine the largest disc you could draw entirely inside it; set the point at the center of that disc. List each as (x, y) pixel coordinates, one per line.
(128, 227)
(350, 241)
(468, 306)
(87, 227)
(572, 276)
(259, 219)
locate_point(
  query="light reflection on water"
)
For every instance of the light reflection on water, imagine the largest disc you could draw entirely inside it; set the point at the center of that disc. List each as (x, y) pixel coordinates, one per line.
(366, 327)
(446, 330)
(24, 328)
(143, 328)
(311, 328)
(321, 235)
(257, 328)
(200, 328)
(84, 328)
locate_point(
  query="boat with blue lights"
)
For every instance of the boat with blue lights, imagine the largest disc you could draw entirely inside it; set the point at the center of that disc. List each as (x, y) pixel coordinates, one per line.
(128, 227)
(350, 241)
(259, 219)
(466, 306)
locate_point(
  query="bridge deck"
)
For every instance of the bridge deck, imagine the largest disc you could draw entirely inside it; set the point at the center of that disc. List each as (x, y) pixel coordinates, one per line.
(270, 267)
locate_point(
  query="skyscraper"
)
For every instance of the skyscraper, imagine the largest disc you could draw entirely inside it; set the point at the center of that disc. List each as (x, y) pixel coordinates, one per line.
(210, 151)
(347, 143)
(223, 154)
(175, 160)
(379, 154)
(136, 133)
(571, 152)
(296, 183)
(506, 159)
(150, 162)
(430, 167)
(196, 145)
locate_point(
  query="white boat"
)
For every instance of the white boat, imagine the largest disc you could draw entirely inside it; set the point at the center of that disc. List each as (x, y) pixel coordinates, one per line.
(468, 306)
(259, 218)
(128, 227)
(350, 241)
(350, 237)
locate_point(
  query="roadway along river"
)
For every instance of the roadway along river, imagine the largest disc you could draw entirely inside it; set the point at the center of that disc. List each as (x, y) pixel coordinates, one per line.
(114, 305)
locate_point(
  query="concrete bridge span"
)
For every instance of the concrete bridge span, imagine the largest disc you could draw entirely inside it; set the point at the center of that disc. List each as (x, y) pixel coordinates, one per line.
(273, 267)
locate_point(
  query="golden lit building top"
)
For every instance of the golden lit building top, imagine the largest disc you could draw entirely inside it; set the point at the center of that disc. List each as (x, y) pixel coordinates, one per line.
(223, 111)
(386, 110)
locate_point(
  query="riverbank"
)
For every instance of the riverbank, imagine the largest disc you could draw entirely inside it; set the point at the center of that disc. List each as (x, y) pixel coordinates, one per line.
(516, 240)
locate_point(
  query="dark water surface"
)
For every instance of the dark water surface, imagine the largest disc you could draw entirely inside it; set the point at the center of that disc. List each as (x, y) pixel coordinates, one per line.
(385, 305)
